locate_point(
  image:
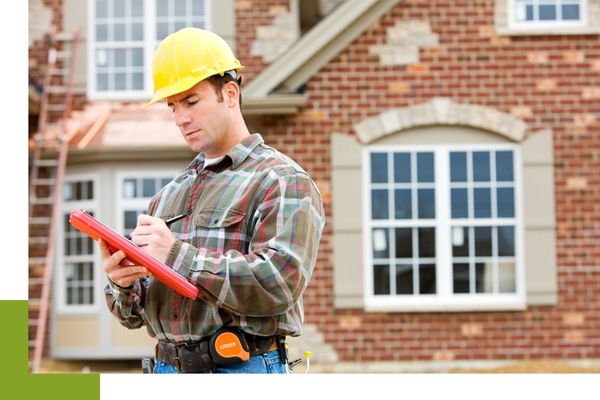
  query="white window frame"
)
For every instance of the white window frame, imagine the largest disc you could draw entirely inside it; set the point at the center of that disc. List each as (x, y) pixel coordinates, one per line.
(444, 299)
(545, 25)
(149, 46)
(66, 207)
(123, 204)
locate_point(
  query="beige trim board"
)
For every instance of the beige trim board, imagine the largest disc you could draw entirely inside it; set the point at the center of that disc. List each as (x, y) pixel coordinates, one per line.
(139, 153)
(274, 104)
(317, 47)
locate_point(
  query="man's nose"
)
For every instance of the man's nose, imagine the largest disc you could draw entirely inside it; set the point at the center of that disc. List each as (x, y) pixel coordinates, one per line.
(181, 117)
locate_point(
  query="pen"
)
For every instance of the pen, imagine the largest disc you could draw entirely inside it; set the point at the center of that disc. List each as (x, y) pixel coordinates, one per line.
(167, 221)
(175, 219)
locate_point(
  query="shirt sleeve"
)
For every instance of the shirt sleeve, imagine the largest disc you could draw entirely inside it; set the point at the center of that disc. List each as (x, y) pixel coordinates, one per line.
(127, 303)
(283, 250)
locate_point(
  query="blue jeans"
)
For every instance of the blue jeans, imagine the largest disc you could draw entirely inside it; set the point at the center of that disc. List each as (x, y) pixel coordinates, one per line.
(268, 363)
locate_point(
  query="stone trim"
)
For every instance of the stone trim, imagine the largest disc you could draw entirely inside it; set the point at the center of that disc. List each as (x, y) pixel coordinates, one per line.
(404, 40)
(440, 111)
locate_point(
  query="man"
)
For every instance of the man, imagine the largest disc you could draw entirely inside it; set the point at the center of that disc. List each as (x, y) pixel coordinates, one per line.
(250, 235)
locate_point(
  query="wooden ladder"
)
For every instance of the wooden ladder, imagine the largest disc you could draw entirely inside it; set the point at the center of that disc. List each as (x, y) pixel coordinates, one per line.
(47, 170)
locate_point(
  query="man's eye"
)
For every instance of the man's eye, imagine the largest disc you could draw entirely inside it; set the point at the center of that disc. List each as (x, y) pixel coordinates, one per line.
(191, 103)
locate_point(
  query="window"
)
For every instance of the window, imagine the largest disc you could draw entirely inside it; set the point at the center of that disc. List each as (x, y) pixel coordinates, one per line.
(548, 13)
(443, 227)
(136, 191)
(123, 36)
(77, 252)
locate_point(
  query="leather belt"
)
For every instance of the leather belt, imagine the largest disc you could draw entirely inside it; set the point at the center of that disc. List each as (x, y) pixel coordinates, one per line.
(195, 357)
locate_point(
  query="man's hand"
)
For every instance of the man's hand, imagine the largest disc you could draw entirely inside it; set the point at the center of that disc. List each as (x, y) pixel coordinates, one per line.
(153, 236)
(119, 270)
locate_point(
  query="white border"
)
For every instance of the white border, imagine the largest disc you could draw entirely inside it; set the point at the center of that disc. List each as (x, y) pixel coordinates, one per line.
(444, 300)
(535, 26)
(59, 284)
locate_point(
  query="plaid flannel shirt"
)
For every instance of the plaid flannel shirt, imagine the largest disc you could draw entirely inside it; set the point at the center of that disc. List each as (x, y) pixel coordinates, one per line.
(249, 243)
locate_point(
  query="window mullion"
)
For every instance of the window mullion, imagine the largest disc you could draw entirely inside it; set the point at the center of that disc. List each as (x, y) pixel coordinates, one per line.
(443, 249)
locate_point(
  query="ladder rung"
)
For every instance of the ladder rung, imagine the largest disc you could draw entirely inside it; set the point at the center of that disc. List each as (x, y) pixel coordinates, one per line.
(64, 37)
(63, 54)
(47, 163)
(41, 200)
(59, 71)
(35, 281)
(39, 220)
(55, 89)
(37, 260)
(55, 107)
(38, 240)
(45, 182)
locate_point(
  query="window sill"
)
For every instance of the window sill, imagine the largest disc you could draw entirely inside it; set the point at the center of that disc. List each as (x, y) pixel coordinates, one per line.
(546, 30)
(457, 304)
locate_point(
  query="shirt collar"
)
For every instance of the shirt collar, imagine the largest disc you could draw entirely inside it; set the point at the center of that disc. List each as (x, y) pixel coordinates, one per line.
(237, 154)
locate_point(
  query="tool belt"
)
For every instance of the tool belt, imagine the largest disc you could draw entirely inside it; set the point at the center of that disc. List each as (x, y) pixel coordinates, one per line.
(205, 356)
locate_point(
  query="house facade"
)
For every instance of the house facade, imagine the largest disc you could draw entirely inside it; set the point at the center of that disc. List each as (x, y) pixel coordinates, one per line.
(456, 145)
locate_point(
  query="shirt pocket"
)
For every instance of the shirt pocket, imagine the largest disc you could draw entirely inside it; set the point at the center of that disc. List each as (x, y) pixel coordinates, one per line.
(221, 230)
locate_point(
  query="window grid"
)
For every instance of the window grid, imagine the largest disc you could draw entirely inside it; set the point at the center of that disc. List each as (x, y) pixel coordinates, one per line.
(548, 13)
(122, 43)
(76, 251)
(444, 267)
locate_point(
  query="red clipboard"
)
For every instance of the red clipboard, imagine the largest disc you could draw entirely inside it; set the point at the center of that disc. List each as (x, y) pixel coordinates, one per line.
(95, 229)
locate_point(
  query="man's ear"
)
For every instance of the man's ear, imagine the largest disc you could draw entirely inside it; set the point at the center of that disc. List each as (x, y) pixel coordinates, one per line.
(231, 93)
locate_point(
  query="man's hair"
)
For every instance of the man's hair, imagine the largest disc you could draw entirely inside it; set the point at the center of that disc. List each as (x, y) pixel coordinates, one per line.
(217, 81)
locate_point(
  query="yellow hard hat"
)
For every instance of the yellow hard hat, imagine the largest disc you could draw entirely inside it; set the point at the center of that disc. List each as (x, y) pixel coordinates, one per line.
(187, 57)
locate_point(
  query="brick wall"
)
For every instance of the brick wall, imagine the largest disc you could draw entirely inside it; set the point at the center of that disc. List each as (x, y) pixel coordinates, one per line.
(549, 82)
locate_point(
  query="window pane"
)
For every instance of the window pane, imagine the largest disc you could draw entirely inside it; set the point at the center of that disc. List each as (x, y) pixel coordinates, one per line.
(180, 8)
(460, 278)
(162, 8)
(424, 167)
(481, 166)
(379, 204)
(381, 279)
(404, 279)
(197, 7)
(137, 8)
(460, 241)
(426, 199)
(403, 204)
(137, 80)
(506, 203)
(137, 31)
(149, 187)
(137, 57)
(162, 30)
(482, 203)
(129, 188)
(547, 12)
(120, 57)
(426, 242)
(381, 240)
(101, 32)
(119, 8)
(529, 13)
(504, 166)
(404, 243)
(427, 279)
(458, 166)
(102, 82)
(570, 12)
(119, 32)
(120, 81)
(379, 170)
(101, 9)
(179, 25)
(459, 202)
(484, 278)
(402, 167)
(483, 241)
(130, 219)
(507, 277)
(506, 241)
(198, 23)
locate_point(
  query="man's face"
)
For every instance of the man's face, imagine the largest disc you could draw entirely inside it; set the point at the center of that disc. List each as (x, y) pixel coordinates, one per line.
(202, 119)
